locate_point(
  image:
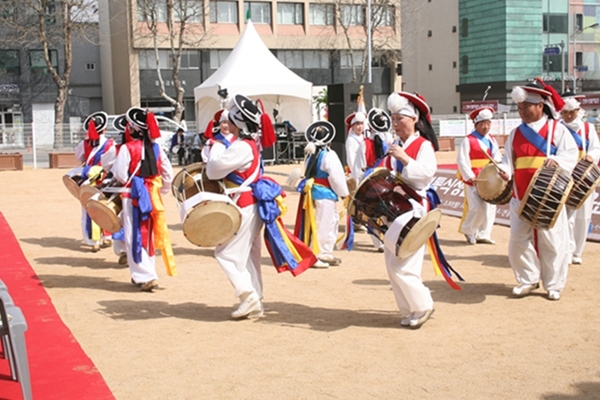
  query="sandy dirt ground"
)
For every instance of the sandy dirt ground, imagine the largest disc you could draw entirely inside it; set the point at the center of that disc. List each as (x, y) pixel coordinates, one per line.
(328, 334)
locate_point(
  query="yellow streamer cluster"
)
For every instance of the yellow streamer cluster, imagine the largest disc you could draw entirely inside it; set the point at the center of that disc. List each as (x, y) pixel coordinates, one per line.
(310, 220)
(162, 240)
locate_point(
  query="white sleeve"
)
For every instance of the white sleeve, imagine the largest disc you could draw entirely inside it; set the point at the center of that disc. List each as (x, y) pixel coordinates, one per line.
(221, 162)
(205, 152)
(120, 168)
(351, 149)
(594, 147)
(337, 179)
(464, 161)
(357, 170)
(507, 164)
(166, 172)
(419, 172)
(108, 158)
(566, 147)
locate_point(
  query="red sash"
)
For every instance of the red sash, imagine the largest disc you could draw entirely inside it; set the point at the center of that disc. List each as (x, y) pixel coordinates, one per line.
(523, 149)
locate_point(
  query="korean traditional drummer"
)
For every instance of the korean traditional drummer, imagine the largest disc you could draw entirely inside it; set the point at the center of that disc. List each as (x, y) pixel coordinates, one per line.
(478, 215)
(588, 144)
(143, 166)
(217, 130)
(415, 163)
(537, 254)
(98, 155)
(323, 184)
(239, 164)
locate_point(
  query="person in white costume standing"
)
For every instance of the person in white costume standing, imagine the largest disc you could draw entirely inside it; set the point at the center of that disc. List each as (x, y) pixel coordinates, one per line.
(144, 167)
(217, 130)
(98, 155)
(326, 181)
(238, 163)
(356, 128)
(415, 164)
(586, 138)
(478, 222)
(537, 254)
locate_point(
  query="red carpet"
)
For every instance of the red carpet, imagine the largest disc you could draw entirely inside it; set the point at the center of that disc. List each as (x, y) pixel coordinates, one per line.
(447, 166)
(58, 366)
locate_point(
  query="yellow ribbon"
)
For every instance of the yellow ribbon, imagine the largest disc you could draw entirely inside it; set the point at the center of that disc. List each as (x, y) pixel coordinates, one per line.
(162, 240)
(96, 232)
(287, 241)
(465, 211)
(310, 220)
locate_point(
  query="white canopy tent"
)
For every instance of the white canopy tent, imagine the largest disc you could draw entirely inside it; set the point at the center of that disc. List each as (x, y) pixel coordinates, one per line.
(253, 71)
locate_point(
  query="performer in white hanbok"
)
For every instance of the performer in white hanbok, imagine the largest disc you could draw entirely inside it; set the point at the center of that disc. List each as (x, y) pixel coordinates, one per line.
(217, 131)
(415, 164)
(478, 215)
(586, 138)
(144, 167)
(98, 155)
(537, 254)
(323, 184)
(356, 127)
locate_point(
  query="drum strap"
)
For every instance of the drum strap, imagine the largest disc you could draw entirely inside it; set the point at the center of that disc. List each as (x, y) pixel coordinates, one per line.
(578, 138)
(537, 140)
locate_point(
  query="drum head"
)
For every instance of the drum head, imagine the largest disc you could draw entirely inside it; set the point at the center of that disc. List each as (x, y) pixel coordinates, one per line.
(86, 192)
(352, 186)
(489, 185)
(71, 186)
(420, 233)
(211, 223)
(103, 215)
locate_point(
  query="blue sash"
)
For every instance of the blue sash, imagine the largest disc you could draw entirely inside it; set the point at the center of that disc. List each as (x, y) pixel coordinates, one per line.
(485, 141)
(219, 136)
(95, 160)
(578, 139)
(536, 140)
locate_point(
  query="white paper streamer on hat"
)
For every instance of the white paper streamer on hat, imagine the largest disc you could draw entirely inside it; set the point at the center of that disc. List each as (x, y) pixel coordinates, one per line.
(401, 105)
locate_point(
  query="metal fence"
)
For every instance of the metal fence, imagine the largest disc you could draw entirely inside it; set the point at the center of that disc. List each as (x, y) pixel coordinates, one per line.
(36, 141)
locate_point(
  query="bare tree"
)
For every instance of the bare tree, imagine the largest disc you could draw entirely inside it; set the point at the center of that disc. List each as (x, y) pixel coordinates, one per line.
(51, 25)
(351, 17)
(176, 25)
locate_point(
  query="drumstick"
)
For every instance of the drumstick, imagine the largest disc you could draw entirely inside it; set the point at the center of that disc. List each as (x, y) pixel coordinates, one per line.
(492, 160)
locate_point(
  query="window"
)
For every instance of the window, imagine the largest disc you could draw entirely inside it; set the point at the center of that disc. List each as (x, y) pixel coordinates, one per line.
(218, 57)
(147, 59)
(307, 59)
(7, 10)
(378, 60)
(223, 12)
(322, 14)
(290, 13)
(193, 13)
(578, 21)
(579, 59)
(90, 66)
(346, 57)
(152, 11)
(556, 23)
(352, 15)
(453, 64)
(454, 29)
(429, 33)
(190, 59)
(464, 27)
(430, 67)
(383, 15)
(552, 62)
(9, 62)
(260, 13)
(454, 109)
(464, 65)
(38, 63)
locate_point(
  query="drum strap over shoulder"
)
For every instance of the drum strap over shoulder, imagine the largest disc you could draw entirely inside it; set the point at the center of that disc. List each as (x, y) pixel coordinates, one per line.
(578, 138)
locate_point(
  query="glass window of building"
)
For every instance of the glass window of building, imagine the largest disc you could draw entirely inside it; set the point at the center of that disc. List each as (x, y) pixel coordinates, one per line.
(260, 13)
(383, 15)
(346, 58)
(150, 11)
(190, 59)
(38, 63)
(556, 23)
(352, 15)
(9, 62)
(223, 12)
(307, 59)
(218, 57)
(147, 59)
(290, 13)
(322, 14)
(191, 11)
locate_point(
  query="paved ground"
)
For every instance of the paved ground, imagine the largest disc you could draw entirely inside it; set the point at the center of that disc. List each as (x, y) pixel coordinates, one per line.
(331, 333)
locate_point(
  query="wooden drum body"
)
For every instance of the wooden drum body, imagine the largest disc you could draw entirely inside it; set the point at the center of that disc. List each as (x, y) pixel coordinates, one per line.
(545, 197)
(105, 211)
(491, 188)
(192, 180)
(586, 177)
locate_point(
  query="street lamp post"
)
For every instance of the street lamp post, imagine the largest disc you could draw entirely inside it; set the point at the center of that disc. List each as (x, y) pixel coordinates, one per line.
(578, 31)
